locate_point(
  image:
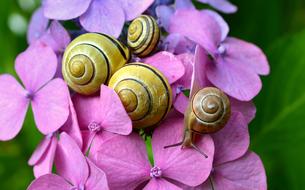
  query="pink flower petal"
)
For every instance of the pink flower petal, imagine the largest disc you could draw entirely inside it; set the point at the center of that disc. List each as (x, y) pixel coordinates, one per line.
(248, 109)
(199, 27)
(164, 13)
(181, 103)
(224, 27)
(168, 64)
(113, 114)
(246, 173)
(183, 165)
(13, 107)
(246, 54)
(95, 142)
(65, 10)
(238, 82)
(40, 150)
(232, 141)
(104, 16)
(97, 179)
(36, 66)
(87, 110)
(37, 26)
(221, 5)
(56, 37)
(199, 79)
(49, 182)
(71, 126)
(45, 164)
(51, 106)
(70, 162)
(160, 184)
(187, 60)
(178, 44)
(125, 162)
(134, 8)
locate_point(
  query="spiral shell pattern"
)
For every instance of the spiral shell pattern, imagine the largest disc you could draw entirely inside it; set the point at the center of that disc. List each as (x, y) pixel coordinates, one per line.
(90, 60)
(212, 110)
(144, 92)
(143, 35)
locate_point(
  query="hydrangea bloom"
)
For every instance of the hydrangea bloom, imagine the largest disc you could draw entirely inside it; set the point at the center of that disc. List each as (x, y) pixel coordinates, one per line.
(127, 156)
(76, 171)
(103, 16)
(90, 138)
(49, 97)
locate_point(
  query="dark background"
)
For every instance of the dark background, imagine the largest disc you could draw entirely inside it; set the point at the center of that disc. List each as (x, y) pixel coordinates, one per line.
(278, 131)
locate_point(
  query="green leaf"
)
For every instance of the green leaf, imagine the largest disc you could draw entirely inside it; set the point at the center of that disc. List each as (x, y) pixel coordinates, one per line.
(278, 133)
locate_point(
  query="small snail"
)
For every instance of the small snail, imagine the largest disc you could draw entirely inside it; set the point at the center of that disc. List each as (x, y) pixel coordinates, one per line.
(143, 35)
(90, 60)
(144, 92)
(208, 112)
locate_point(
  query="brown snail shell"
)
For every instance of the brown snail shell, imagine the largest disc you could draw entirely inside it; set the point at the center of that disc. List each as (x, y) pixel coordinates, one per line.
(209, 111)
(90, 60)
(144, 92)
(143, 35)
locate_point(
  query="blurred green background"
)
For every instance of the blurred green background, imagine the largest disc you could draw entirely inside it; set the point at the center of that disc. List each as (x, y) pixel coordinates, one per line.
(278, 131)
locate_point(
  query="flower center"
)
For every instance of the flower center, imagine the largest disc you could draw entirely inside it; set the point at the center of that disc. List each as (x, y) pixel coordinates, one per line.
(179, 89)
(29, 95)
(94, 127)
(221, 50)
(155, 172)
(79, 187)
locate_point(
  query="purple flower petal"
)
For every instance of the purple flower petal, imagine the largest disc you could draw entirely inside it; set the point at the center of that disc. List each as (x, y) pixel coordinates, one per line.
(13, 107)
(238, 82)
(71, 126)
(45, 164)
(40, 150)
(51, 106)
(245, 54)
(160, 184)
(104, 16)
(199, 79)
(56, 37)
(125, 162)
(187, 60)
(183, 165)
(246, 173)
(181, 103)
(232, 141)
(97, 179)
(199, 27)
(70, 162)
(134, 8)
(37, 26)
(36, 66)
(178, 44)
(184, 4)
(224, 27)
(168, 64)
(221, 5)
(247, 109)
(164, 13)
(49, 182)
(65, 10)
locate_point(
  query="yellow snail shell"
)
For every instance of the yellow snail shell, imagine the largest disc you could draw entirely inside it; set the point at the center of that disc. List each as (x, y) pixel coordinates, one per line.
(143, 35)
(144, 92)
(90, 60)
(209, 111)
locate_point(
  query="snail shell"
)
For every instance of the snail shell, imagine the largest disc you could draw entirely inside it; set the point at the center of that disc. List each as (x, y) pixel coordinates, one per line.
(90, 60)
(143, 35)
(144, 92)
(209, 111)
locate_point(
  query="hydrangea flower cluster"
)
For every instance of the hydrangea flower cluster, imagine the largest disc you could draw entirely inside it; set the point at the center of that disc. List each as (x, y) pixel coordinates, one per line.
(91, 140)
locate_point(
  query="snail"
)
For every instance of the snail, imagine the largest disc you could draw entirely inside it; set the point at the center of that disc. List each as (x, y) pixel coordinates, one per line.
(208, 112)
(90, 60)
(143, 35)
(144, 92)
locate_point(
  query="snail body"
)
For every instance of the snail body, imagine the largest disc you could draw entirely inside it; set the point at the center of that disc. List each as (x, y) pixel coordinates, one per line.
(208, 112)
(90, 60)
(143, 35)
(144, 92)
